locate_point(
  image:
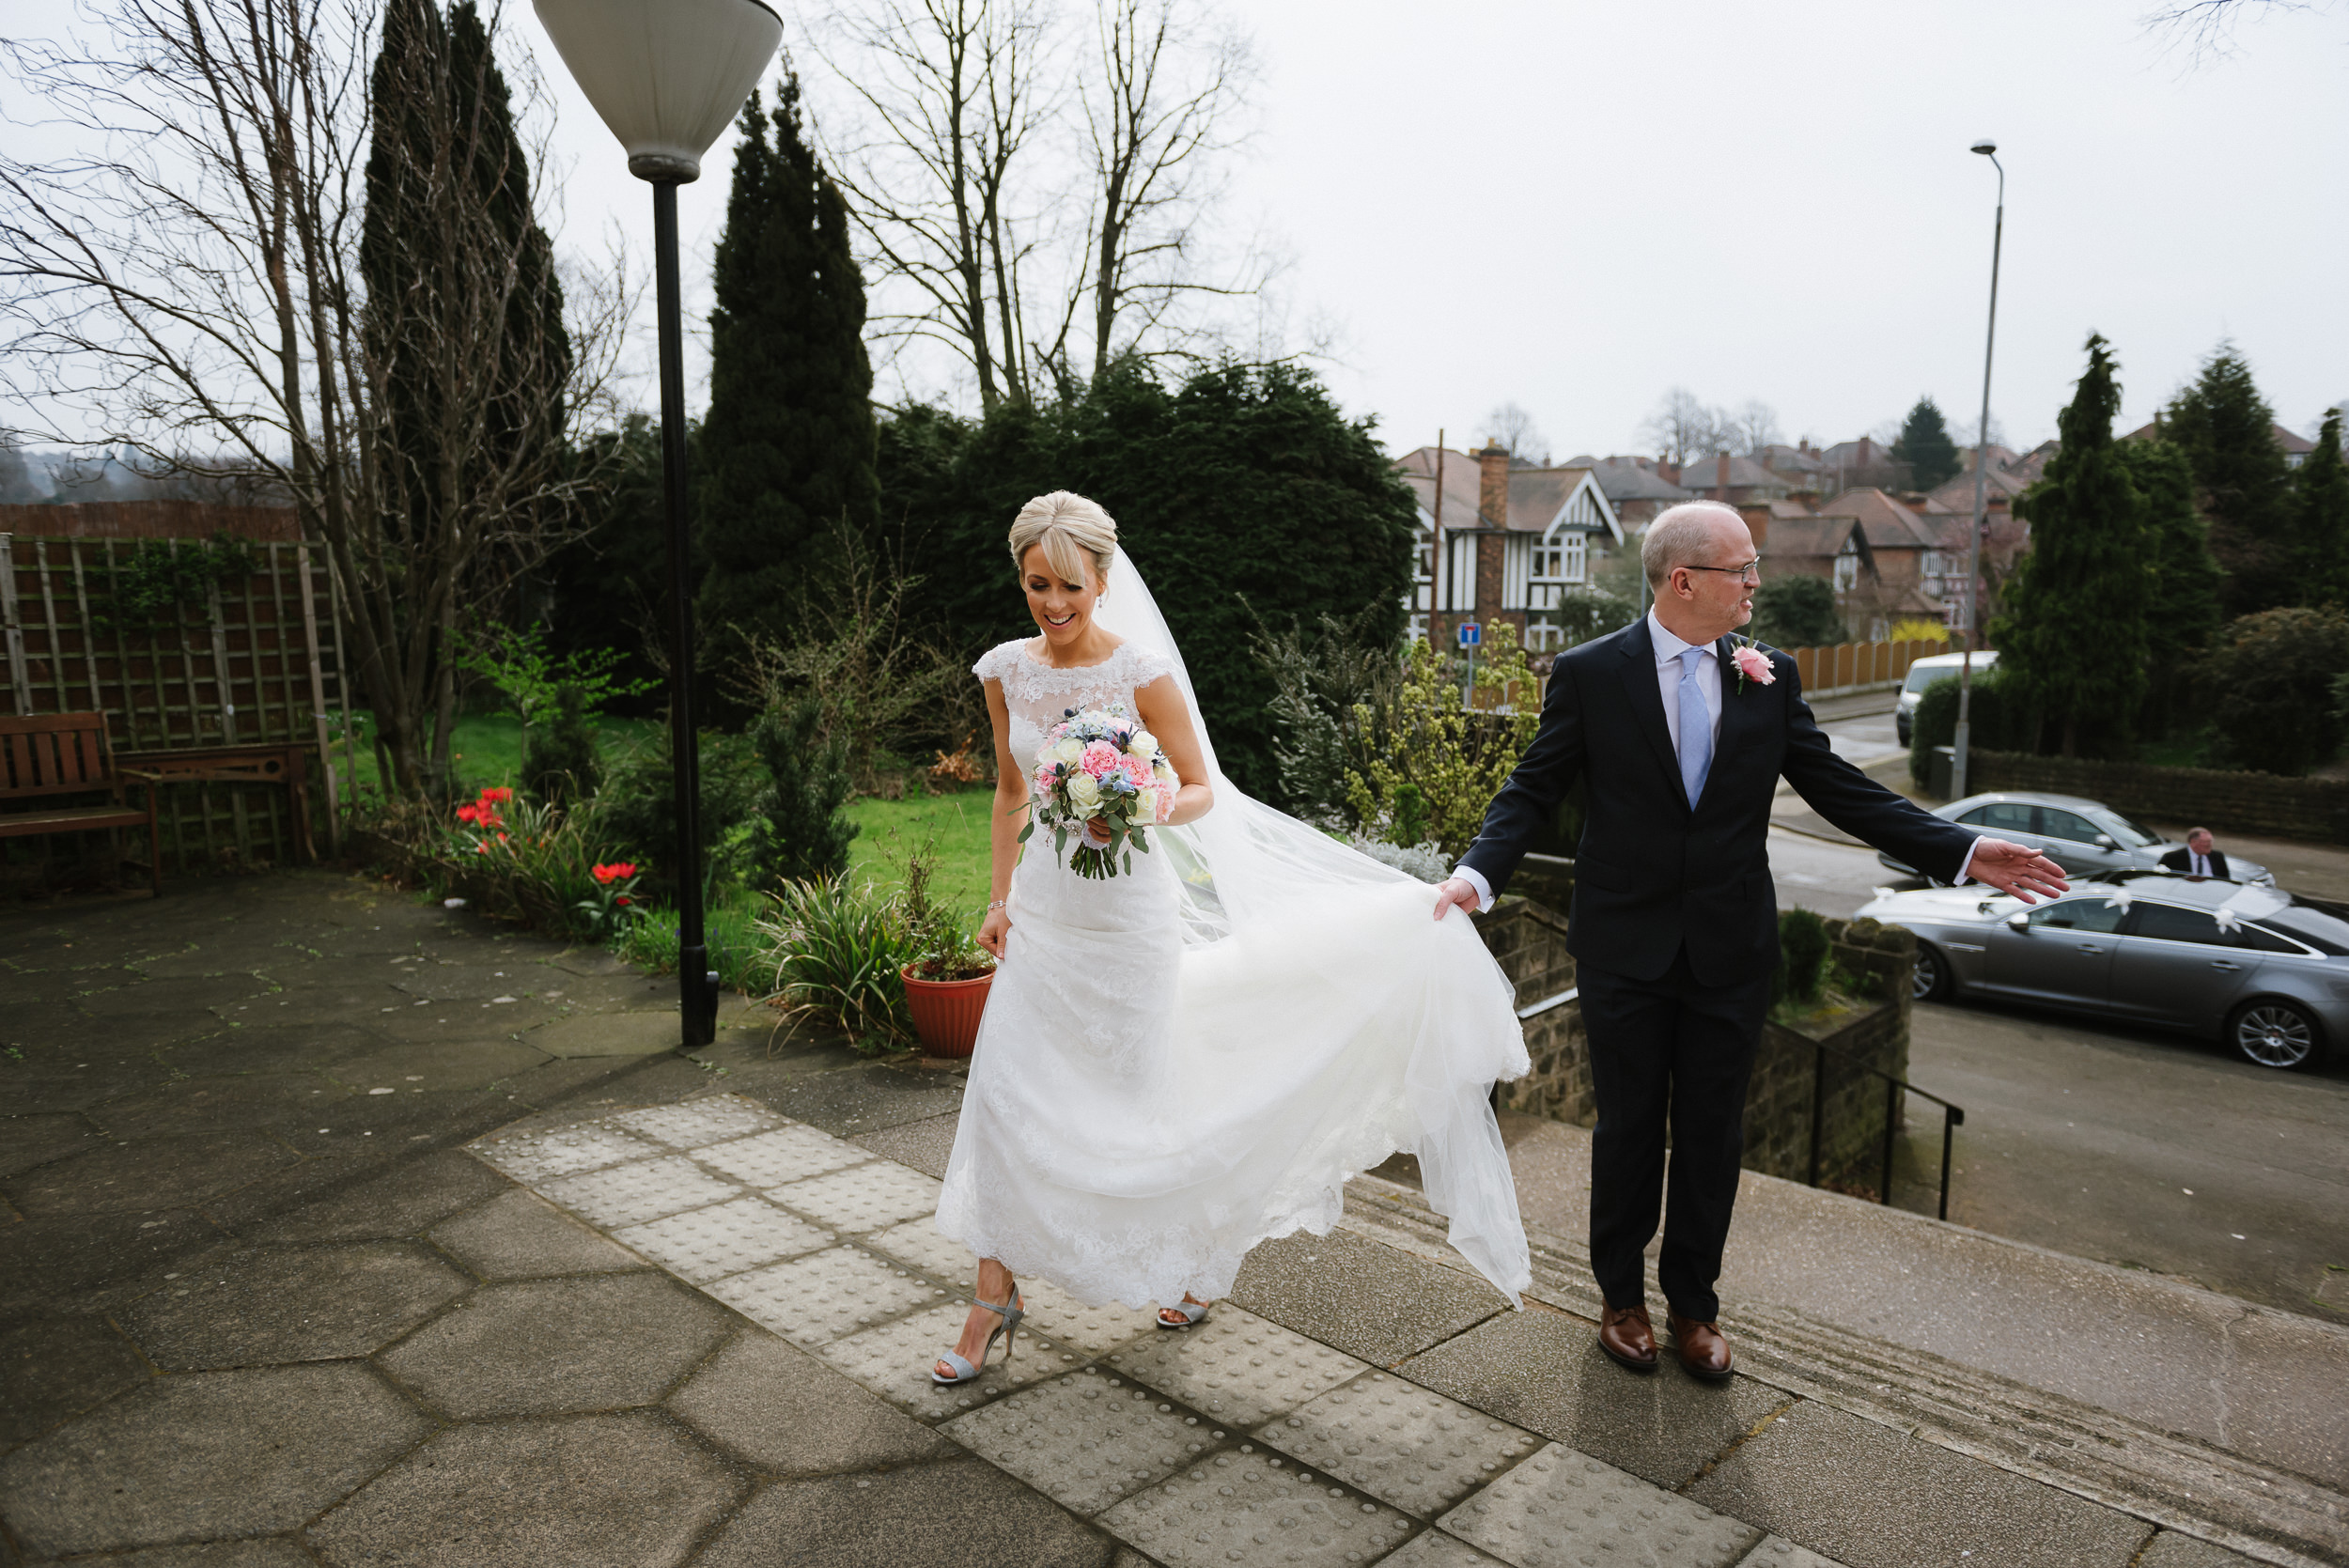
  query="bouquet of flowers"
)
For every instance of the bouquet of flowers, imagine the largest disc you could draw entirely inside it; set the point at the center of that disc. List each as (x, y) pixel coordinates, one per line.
(1099, 775)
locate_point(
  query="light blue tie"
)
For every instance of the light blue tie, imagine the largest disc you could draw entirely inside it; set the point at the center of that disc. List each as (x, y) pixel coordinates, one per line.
(1696, 727)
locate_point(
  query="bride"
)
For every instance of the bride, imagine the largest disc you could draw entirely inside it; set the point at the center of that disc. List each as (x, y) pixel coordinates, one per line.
(1178, 1062)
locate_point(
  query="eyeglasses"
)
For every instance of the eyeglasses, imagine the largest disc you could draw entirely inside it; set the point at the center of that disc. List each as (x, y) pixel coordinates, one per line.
(1751, 571)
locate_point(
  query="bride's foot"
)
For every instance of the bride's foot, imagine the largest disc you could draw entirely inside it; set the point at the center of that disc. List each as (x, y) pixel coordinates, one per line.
(996, 1309)
(1182, 1316)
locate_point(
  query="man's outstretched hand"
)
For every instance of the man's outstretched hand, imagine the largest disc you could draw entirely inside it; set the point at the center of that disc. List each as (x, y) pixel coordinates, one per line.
(2017, 872)
(1455, 892)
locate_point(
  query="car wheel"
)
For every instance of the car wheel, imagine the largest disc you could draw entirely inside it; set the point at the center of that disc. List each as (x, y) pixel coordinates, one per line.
(1930, 980)
(2273, 1032)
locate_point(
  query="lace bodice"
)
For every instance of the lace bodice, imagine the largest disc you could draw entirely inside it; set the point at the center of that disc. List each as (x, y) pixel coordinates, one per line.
(1037, 694)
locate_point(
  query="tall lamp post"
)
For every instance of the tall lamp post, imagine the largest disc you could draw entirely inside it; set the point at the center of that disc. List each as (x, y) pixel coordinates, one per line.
(668, 76)
(1981, 478)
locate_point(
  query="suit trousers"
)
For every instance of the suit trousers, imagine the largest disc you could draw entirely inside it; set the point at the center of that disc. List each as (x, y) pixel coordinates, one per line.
(1667, 1052)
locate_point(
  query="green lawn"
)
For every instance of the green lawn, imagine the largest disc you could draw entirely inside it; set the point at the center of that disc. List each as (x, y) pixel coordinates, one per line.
(488, 746)
(953, 826)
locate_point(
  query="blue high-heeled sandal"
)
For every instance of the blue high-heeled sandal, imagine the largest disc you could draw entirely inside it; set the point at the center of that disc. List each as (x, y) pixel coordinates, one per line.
(1011, 1312)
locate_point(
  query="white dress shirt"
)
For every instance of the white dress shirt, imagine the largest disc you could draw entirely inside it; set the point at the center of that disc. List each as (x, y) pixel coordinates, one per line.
(2200, 862)
(1668, 651)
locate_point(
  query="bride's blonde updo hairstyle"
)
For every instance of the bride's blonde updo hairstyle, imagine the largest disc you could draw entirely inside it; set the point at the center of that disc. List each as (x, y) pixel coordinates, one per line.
(1070, 529)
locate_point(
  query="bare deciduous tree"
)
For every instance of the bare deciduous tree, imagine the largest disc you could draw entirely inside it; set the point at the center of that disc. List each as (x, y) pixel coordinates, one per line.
(1755, 426)
(189, 280)
(1685, 427)
(1511, 426)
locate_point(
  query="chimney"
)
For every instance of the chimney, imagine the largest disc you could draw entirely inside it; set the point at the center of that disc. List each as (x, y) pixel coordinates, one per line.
(1492, 485)
(1805, 447)
(1667, 472)
(1720, 477)
(1758, 525)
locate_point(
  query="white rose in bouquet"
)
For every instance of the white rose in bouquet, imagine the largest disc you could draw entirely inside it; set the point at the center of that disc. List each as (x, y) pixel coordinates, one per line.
(1084, 791)
(1143, 744)
(1067, 748)
(1145, 805)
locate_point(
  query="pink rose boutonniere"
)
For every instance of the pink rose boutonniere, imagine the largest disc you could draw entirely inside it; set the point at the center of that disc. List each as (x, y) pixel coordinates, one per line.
(1752, 665)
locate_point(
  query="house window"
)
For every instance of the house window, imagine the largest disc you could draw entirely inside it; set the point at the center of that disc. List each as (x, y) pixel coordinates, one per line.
(1516, 565)
(1459, 574)
(1847, 570)
(1423, 577)
(1573, 558)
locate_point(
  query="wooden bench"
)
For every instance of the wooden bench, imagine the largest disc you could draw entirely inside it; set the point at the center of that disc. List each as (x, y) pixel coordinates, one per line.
(67, 754)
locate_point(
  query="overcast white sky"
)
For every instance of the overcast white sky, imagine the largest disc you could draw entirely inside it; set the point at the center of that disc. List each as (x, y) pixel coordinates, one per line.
(1577, 206)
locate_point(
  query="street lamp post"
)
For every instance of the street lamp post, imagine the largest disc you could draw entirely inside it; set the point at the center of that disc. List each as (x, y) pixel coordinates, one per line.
(1981, 478)
(668, 76)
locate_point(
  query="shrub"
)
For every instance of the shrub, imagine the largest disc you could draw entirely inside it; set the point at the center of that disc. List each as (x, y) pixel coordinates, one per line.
(1322, 678)
(1437, 765)
(831, 952)
(800, 831)
(1427, 862)
(1802, 953)
(942, 949)
(560, 761)
(2269, 684)
(637, 808)
(1996, 725)
(1916, 628)
(1797, 612)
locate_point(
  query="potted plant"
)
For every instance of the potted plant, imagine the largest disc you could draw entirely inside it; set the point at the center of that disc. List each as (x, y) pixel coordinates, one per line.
(948, 980)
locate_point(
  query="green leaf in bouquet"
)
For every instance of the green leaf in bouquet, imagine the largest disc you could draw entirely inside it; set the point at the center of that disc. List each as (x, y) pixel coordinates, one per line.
(1129, 865)
(1141, 840)
(1027, 832)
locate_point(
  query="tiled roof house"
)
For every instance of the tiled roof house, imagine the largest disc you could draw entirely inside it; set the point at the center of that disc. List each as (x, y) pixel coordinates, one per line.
(1505, 543)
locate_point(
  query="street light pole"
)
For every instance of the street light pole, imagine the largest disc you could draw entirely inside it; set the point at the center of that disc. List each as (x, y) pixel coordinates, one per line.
(1982, 479)
(668, 76)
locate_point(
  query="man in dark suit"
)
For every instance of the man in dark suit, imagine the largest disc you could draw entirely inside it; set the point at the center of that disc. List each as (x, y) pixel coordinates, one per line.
(2200, 858)
(1681, 734)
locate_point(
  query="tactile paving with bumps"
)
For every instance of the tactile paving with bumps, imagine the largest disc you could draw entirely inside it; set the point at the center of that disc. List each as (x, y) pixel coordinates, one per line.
(819, 1298)
(1084, 1439)
(631, 1194)
(1254, 1509)
(1561, 1509)
(1238, 1368)
(1414, 1449)
(1051, 1311)
(895, 1359)
(865, 1198)
(531, 1158)
(789, 1153)
(697, 1123)
(725, 1238)
(1434, 1549)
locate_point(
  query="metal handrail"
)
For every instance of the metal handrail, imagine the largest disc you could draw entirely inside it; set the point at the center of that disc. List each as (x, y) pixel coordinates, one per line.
(1952, 1117)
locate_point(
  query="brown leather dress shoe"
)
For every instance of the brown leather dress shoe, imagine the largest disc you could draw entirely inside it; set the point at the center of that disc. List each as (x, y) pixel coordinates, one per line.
(1628, 1337)
(1701, 1349)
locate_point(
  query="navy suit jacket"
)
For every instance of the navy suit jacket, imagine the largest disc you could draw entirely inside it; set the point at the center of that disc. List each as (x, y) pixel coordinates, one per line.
(1652, 874)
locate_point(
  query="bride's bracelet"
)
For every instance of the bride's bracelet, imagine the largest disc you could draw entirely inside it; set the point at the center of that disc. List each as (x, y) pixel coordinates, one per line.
(998, 904)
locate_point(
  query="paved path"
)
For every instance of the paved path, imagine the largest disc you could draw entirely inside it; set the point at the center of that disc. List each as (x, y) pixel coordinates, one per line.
(316, 1250)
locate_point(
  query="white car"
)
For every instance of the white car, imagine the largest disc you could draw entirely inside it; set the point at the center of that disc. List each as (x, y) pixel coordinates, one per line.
(1924, 673)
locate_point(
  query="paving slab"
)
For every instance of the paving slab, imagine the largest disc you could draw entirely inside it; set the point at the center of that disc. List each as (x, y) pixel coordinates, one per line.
(29, 1141)
(1253, 1508)
(55, 1368)
(154, 1173)
(609, 1035)
(1776, 1551)
(782, 1155)
(926, 1145)
(520, 1236)
(133, 997)
(1369, 1300)
(1873, 1498)
(1545, 1372)
(50, 1079)
(779, 1408)
(962, 1514)
(206, 1456)
(63, 1262)
(894, 1362)
(352, 1201)
(2170, 1550)
(1561, 1509)
(416, 1022)
(1084, 1439)
(708, 1244)
(540, 1154)
(1236, 1367)
(1434, 1549)
(1399, 1443)
(626, 1491)
(862, 1198)
(283, 1305)
(631, 1194)
(1052, 1312)
(196, 1106)
(697, 1123)
(271, 1048)
(276, 1551)
(438, 1064)
(600, 1341)
(865, 1098)
(823, 1297)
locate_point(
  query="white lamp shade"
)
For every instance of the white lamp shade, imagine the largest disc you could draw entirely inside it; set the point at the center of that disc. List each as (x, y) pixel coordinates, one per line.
(667, 75)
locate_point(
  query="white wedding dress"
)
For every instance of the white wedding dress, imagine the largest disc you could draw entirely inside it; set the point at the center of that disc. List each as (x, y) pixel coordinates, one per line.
(1178, 1063)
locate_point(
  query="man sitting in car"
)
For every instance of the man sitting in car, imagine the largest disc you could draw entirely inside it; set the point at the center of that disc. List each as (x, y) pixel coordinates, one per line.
(2199, 858)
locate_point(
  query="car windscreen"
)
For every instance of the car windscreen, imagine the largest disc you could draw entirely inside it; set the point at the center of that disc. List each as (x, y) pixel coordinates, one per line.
(2323, 929)
(1923, 675)
(2130, 835)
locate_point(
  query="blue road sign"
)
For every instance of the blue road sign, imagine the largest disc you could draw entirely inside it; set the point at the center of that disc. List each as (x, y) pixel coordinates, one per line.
(1470, 634)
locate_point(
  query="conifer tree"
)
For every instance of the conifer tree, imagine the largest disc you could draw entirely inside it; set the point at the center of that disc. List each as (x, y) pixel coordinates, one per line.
(2073, 642)
(2181, 610)
(1926, 446)
(2320, 518)
(2228, 434)
(786, 451)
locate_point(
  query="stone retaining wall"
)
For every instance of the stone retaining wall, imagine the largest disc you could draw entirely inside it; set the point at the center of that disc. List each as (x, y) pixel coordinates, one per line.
(1528, 942)
(2266, 804)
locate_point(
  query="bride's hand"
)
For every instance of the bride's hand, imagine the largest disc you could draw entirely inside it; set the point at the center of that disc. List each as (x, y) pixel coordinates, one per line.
(993, 929)
(1096, 832)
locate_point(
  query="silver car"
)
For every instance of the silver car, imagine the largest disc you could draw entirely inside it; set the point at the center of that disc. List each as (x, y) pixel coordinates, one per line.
(2264, 972)
(2082, 836)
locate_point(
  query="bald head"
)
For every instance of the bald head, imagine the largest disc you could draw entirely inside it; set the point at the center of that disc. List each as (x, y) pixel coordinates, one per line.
(1691, 534)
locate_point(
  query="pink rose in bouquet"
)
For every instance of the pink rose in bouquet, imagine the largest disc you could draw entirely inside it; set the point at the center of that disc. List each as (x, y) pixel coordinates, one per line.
(1101, 779)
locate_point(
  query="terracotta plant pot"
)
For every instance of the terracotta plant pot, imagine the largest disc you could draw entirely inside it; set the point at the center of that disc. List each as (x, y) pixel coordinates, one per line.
(946, 1012)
